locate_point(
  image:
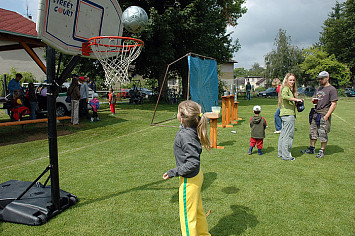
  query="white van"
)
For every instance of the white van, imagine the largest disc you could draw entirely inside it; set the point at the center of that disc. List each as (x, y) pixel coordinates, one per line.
(62, 107)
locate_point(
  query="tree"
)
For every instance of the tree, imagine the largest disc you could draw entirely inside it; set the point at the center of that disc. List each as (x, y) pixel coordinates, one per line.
(338, 35)
(256, 70)
(240, 72)
(179, 27)
(285, 59)
(317, 60)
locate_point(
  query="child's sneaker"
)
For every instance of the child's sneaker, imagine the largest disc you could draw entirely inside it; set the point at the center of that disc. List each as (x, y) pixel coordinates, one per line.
(98, 119)
(260, 152)
(309, 150)
(250, 150)
(320, 154)
(92, 119)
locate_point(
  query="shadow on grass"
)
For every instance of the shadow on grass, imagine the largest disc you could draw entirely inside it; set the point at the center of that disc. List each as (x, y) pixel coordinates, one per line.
(103, 198)
(227, 143)
(268, 149)
(230, 190)
(235, 223)
(33, 132)
(208, 179)
(331, 149)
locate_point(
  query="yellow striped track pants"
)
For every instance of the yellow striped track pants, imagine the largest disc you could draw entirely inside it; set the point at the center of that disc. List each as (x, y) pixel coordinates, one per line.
(192, 216)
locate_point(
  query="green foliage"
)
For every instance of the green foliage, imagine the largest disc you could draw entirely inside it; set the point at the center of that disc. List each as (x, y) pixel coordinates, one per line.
(317, 60)
(284, 59)
(256, 70)
(240, 72)
(177, 28)
(221, 88)
(338, 35)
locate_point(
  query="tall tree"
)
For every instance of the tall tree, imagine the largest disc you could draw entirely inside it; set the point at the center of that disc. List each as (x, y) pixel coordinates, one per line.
(179, 27)
(284, 59)
(338, 35)
(240, 72)
(317, 60)
(256, 70)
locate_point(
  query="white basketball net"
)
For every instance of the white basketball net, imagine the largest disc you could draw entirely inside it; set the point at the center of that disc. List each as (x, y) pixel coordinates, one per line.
(115, 55)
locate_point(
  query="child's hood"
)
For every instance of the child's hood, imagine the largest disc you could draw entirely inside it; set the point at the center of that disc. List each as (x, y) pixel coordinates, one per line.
(94, 100)
(256, 119)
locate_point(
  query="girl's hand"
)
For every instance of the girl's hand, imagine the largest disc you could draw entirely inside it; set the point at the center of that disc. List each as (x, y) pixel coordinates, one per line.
(165, 176)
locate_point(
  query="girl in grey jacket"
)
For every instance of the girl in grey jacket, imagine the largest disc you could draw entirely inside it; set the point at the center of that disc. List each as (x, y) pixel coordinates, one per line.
(187, 150)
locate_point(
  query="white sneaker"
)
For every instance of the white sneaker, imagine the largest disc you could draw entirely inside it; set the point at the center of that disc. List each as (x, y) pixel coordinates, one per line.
(277, 131)
(92, 119)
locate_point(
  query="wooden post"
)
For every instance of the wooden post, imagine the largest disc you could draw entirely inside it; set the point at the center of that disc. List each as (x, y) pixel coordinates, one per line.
(236, 111)
(225, 112)
(228, 111)
(213, 128)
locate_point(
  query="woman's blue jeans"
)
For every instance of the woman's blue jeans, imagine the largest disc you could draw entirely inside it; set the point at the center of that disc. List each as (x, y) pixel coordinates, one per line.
(278, 121)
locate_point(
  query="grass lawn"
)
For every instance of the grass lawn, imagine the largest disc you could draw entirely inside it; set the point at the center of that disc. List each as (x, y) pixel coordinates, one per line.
(115, 167)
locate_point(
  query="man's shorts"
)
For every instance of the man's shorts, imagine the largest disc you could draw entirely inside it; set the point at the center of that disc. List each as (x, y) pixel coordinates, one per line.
(319, 131)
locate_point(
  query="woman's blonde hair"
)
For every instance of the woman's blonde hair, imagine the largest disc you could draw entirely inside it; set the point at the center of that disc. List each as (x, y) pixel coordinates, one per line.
(286, 84)
(190, 111)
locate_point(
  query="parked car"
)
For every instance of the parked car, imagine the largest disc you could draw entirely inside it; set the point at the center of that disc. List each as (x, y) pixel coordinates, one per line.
(124, 93)
(350, 92)
(148, 92)
(62, 107)
(305, 91)
(270, 92)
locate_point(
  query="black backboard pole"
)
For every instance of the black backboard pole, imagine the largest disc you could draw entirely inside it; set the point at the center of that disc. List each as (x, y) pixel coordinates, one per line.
(52, 127)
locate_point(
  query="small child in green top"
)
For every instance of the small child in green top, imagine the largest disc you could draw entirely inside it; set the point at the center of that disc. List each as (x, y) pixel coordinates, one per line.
(258, 126)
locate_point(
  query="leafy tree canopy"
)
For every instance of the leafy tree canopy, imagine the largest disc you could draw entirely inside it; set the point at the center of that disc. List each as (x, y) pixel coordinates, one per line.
(255, 70)
(284, 59)
(338, 35)
(317, 60)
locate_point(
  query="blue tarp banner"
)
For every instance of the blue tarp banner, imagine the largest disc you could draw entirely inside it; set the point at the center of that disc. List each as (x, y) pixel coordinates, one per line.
(203, 82)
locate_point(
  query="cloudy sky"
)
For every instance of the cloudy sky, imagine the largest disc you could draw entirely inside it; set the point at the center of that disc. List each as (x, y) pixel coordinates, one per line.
(257, 29)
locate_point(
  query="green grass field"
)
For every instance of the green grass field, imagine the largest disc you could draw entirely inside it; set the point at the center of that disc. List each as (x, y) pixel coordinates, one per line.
(115, 167)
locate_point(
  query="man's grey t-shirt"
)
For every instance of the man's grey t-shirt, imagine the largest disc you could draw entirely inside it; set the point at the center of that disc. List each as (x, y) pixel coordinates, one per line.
(326, 95)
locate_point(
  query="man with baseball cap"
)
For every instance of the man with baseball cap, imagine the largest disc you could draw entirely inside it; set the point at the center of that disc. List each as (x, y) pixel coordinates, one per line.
(325, 97)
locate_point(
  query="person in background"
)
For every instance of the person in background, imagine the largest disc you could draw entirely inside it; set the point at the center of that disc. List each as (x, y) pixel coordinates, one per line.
(14, 84)
(32, 98)
(95, 104)
(74, 93)
(287, 101)
(112, 99)
(18, 110)
(91, 84)
(276, 83)
(248, 89)
(325, 97)
(258, 125)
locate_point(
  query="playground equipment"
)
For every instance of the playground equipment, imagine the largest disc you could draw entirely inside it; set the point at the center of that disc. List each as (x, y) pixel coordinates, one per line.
(202, 87)
(76, 28)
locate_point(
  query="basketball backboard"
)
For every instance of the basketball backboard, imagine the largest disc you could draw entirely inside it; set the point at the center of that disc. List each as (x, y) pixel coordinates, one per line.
(66, 24)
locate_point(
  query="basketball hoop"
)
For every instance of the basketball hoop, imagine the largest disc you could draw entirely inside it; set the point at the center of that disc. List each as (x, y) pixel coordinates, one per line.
(115, 54)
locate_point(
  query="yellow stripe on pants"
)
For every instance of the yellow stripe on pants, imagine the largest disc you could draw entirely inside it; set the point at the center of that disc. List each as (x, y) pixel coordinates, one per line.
(192, 216)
